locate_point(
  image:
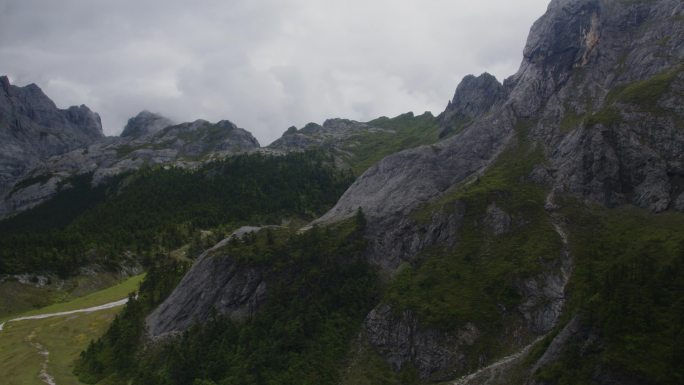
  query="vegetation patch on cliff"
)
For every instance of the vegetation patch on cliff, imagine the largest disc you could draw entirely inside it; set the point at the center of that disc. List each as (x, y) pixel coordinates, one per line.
(476, 281)
(320, 289)
(409, 131)
(627, 286)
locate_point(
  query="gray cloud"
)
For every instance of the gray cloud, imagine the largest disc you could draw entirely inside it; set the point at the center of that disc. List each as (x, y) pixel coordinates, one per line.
(265, 64)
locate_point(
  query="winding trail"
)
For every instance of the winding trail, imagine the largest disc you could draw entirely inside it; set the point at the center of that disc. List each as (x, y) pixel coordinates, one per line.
(44, 376)
(492, 371)
(85, 310)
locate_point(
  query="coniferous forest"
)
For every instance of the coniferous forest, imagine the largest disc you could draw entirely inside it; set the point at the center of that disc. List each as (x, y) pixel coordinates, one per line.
(138, 215)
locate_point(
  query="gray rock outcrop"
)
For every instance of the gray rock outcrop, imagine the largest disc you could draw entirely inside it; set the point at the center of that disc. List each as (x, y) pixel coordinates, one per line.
(407, 237)
(613, 127)
(473, 98)
(145, 123)
(399, 338)
(183, 145)
(567, 59)
(599, 91)
(331, 133)
(33, 129)
(215, 283)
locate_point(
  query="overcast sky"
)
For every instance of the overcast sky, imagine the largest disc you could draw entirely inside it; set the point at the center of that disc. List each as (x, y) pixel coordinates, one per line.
(263, 64)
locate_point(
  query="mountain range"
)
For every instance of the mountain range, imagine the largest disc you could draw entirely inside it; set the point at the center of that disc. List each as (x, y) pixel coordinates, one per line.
(531, 233)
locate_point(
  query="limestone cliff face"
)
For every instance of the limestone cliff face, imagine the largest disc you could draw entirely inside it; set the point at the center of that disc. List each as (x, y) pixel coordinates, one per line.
(600, 91)
(214, 283)
(584, 66)
(613, 125)
(473, 98)
(145, 123)
(32, 129)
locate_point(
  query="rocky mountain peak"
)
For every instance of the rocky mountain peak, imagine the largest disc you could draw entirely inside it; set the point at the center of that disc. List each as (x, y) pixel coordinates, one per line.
(30, 105)
(148, 139)
(145, 123)
(311, 128)
(226, 124)
(561, 37)
(203, 137)
(587, 66)
(86, 119)
(474, 96)
(32, 129)
(4, 83)
(290, 131)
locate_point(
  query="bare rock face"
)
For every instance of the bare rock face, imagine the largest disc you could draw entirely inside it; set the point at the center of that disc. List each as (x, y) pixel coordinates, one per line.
(570, 57)
(590, 60)
(389, 191)
(399, 339)
(214, 283)
(600, 91)
(473, 98)
(32, 129)
(403, 181)
(406, 237)
(145, 123)
(145, 144)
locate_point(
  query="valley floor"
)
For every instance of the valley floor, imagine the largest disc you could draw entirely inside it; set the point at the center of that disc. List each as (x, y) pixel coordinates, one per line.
(39, 347)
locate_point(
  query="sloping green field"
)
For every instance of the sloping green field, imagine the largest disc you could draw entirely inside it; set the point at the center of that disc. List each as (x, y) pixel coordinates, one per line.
(24, 344)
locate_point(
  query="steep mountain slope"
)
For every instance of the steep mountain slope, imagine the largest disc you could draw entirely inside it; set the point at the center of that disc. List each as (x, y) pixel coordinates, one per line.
(136, 216)
(149, 140)
(488, 239)
(595, 111)
(145, 123)
(473, 98)
(583, 62)
(32, 129)
(541, 242)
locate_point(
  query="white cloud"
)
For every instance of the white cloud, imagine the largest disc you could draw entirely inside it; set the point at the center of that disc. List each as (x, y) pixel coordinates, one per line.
(264, 65)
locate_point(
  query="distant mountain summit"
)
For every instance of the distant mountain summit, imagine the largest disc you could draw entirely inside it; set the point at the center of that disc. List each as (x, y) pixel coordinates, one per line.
(145, 123)
(474, 97)
(32, 129)
(42, 146)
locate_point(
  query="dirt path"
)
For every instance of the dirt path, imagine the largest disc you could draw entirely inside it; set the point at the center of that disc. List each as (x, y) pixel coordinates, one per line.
(86, 310)
(494, 370)
(44, 375)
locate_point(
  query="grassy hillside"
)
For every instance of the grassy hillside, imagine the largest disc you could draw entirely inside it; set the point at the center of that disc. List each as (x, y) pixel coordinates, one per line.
(408, 131)
(64, 337)
(17, 297)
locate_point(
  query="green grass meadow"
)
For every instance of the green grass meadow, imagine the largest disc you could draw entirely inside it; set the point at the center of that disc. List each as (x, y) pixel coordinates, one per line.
(64, 337)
